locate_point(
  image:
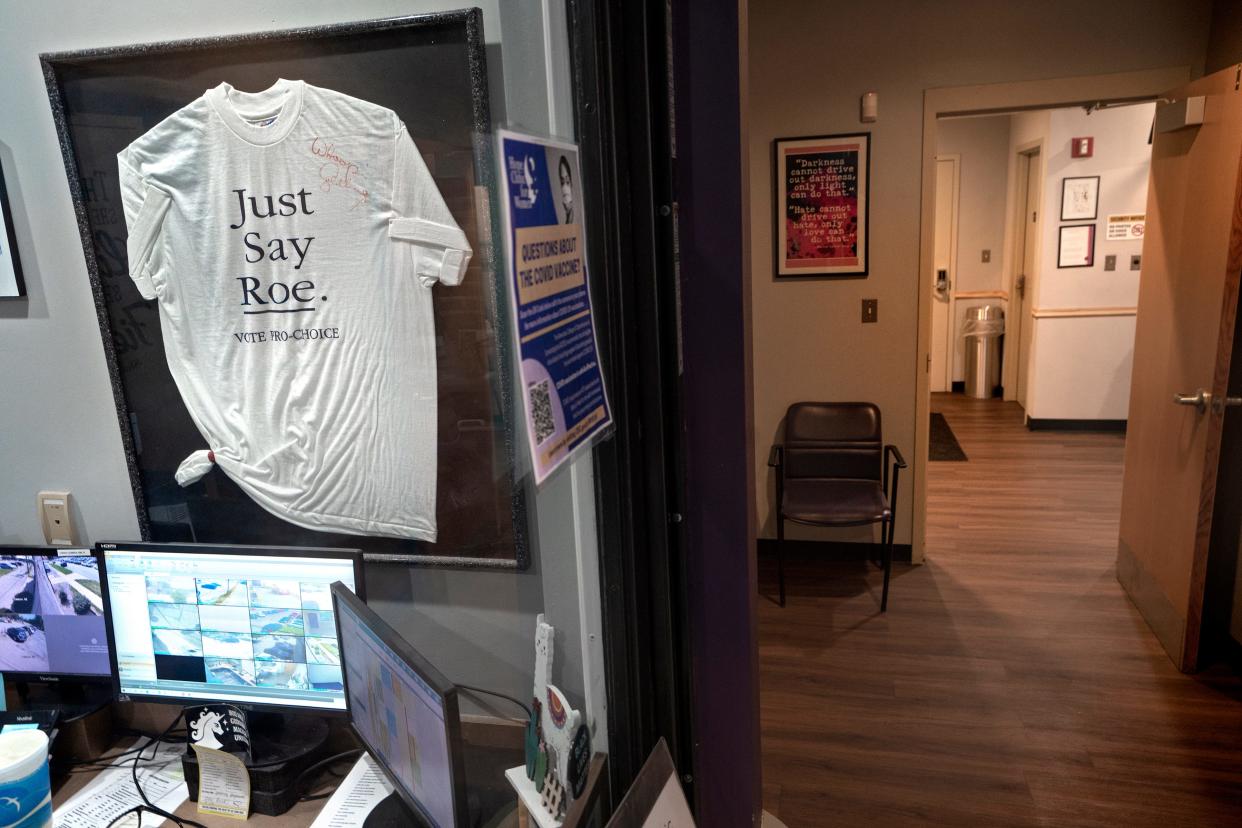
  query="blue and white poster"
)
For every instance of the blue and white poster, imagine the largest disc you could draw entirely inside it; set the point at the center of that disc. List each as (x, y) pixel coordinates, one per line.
(566, 403)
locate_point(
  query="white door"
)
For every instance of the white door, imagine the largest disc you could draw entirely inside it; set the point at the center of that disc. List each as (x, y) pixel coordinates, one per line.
(943, 275)
(1028, 259)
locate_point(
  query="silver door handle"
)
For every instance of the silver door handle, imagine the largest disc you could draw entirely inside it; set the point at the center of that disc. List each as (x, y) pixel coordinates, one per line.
(1200, 399)
(1221, 403)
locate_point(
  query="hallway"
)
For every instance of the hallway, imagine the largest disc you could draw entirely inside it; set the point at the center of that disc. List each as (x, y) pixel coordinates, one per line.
(1011, 682)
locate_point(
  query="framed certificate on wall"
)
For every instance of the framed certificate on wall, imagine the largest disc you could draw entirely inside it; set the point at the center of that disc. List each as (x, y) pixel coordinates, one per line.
(1076, 246)
(1080, 197)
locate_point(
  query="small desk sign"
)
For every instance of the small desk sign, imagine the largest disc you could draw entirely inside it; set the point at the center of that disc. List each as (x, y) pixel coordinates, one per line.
(656, 799)
(1126, 226)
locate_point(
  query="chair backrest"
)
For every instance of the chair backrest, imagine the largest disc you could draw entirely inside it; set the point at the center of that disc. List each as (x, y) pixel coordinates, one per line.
(841, 440)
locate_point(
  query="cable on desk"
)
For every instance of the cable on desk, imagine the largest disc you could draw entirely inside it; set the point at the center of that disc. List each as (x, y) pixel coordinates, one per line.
(105, 762)
(477, 690)
(322, 763)
(148, 805)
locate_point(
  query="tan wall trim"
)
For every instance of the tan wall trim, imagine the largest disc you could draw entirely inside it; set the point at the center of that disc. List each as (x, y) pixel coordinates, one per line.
(981, 294)
(1062, 313)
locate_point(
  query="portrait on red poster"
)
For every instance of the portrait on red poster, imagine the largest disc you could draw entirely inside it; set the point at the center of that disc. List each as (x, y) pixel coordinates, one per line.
(821, 205)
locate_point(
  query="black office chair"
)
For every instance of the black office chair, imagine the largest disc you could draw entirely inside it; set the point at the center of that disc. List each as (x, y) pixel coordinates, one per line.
(833, 470)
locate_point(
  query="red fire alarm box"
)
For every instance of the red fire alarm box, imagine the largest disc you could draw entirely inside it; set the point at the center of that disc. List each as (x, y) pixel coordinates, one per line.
(1082, 147)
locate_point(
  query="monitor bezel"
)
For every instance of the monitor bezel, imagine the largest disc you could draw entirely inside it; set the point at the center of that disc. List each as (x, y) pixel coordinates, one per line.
(438, 682)
(51, 676)
(102, 548)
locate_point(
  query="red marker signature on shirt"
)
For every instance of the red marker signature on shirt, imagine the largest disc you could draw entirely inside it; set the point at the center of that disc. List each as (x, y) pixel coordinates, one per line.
(337, 171)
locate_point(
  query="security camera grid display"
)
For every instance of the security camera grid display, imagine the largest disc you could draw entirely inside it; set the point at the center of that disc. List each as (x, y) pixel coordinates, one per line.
(204, 635)
(51, 615)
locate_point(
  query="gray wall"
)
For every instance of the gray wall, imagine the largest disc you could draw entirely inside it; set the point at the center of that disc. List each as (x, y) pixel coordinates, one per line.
(58, 427)
(809, 63)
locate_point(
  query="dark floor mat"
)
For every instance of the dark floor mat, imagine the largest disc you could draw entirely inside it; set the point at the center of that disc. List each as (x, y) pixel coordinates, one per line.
(944, 444)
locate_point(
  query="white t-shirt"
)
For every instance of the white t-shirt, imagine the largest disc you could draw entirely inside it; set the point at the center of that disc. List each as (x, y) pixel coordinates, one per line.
(292, 238)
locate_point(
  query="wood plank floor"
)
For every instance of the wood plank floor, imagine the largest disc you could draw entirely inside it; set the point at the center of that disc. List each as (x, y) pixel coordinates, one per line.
(1011, 682)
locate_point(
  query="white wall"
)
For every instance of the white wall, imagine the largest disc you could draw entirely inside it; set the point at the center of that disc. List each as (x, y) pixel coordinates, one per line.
(982, 145)
(58, 427)
(1080, 366)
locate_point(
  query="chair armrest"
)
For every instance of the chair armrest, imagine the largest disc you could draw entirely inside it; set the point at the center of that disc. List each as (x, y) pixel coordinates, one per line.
(776, 457)
(896, 453)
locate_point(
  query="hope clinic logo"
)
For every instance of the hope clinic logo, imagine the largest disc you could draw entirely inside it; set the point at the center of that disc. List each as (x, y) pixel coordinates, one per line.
(522, 181)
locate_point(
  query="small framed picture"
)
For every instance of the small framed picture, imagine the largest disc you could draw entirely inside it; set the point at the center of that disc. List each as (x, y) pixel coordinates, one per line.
(11, 284)
(1076, 246)
(820, 207)
(1080, 197)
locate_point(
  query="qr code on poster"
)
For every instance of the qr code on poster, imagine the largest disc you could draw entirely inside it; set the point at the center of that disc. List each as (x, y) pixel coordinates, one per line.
(541, 411)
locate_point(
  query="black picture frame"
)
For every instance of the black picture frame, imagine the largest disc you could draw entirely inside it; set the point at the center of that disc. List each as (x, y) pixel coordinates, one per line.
(1091, 250)
(102, 99)
(838, 143)
(9, 240)
(1095, 198)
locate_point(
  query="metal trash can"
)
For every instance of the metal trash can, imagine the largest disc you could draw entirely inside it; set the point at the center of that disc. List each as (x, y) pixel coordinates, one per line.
(982, 329)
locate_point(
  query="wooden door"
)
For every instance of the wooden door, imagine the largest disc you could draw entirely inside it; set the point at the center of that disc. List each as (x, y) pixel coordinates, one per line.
(944, 274)
(1031, 170)
(1188, 296)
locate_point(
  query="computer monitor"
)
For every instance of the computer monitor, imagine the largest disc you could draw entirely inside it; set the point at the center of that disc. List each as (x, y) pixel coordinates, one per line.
(51, 615)
(250, 625)
(405, 713)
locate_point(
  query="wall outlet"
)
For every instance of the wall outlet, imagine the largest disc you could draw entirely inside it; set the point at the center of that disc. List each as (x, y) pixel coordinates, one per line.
(1136, 262)
(1110, 261)
(870, 310)
(986, 257)
(54, 517)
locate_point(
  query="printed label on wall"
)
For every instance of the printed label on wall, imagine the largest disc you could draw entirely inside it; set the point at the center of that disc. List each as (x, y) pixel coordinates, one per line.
(1126, 227)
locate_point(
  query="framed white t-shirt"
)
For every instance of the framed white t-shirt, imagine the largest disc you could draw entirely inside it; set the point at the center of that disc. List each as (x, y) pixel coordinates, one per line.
(292, 238)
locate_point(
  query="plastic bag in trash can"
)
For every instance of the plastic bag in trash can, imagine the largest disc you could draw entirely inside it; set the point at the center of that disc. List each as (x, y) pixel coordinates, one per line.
(987, 320)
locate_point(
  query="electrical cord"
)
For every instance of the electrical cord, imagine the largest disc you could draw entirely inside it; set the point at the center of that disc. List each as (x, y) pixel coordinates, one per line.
(320, 765)
(102, 761)
(476, 690)
(148, 805)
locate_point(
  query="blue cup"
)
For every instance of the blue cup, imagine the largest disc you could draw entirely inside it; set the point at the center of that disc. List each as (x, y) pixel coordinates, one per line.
(25, 786)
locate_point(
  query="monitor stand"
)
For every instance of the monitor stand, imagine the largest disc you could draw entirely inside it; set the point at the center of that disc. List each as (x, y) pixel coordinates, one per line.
(277, 738)
(392, 812)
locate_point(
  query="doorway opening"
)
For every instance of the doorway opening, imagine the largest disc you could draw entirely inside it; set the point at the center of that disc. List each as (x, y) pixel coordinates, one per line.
(1032, 328)
(997, 259)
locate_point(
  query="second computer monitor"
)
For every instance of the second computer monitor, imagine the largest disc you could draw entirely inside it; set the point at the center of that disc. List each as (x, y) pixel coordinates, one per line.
(404, 711)
(244, 624)
(51, 615)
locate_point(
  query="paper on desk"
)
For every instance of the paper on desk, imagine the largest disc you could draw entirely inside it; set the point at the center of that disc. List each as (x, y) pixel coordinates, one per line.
(359, 792)
(223, 784)
(112, 793)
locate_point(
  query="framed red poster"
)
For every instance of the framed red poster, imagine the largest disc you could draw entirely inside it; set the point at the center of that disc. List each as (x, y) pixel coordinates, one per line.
(822, 187)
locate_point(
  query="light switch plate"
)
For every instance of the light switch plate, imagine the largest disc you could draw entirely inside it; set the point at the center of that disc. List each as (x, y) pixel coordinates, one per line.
(1110, 261)
(54, 516)
(1136, 262)
(987, 256)
(870, 310)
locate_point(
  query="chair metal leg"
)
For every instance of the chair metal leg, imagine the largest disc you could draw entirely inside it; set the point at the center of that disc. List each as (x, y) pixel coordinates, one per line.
(780, 555)
(887, 532)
